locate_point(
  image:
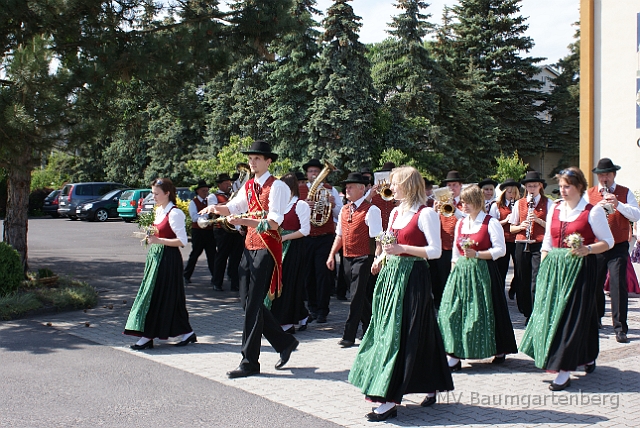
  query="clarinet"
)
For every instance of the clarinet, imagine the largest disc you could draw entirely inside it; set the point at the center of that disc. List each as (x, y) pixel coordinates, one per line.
(531, 206)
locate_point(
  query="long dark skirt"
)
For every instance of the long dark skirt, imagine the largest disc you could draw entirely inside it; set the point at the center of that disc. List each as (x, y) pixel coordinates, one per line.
(421, 364)
(289, 308)
(576, 340)
(166, 315)
(505, 338)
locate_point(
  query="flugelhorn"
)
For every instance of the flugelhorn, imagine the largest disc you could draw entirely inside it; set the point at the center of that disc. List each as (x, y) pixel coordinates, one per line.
(445, 197)
(204, 222)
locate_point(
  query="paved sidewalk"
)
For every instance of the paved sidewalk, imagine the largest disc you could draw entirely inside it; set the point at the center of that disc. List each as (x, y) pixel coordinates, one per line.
(315, 381)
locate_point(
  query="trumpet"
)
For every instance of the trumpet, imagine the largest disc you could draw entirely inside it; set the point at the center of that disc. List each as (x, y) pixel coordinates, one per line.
(204, 222)
(385, 190)
(445, 197)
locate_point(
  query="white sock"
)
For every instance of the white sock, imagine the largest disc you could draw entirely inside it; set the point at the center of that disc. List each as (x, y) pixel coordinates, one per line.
(142, 341)
(304, 321)
(286, 326)
(591, 363)
(385, 407)
(186, 336)
(431, 394)
(562, 377)
(499, 355)
(452, 361)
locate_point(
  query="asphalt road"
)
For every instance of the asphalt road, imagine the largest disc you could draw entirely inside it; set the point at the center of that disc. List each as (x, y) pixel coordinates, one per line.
(50, 378)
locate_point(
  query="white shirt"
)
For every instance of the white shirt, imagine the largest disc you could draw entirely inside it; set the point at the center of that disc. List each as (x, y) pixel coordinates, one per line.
(494, 211)
(303, 212)
(630, 209)
(373, 219)
(337, 206)
(459, 214)
(176, 221)
(428, 223)
(193, 210)
(515, 212)
(597, 221)
(496, 235)
(279, 196)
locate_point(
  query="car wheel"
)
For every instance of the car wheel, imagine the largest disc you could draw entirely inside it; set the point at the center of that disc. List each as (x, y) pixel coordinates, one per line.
(127, 219)
(102, 215)
(54, 215)
(73, 218)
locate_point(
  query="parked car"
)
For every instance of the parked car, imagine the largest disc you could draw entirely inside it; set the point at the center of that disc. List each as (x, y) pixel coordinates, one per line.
(129, 201)
(101, 209)
(183, 193)
(74, 194)
(50, 205)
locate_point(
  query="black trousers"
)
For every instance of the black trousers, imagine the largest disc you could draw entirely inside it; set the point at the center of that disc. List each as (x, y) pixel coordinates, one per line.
(357, 271)
(201, 240)
(439, 270)
(503, 265)
(526, 270)
(615, 262)
(229, 252)
(320, 279)
(341, 286)
(256, 268)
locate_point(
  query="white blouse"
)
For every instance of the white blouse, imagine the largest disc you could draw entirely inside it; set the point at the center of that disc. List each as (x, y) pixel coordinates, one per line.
(496, 235)
(597, 221)
(176, 221)
(428, 223)
(303, 212)
(279, 196)
(373, 219)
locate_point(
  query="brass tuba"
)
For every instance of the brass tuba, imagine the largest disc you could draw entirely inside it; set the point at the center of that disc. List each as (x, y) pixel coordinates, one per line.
(319, 195)
(445, 197)
(383, 181)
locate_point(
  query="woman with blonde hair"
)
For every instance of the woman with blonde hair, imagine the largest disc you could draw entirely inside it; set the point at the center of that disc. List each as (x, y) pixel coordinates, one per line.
(402, 351)
(473, 316)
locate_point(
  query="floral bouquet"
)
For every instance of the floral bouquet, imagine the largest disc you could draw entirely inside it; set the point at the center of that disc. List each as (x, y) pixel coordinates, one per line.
(574, 241)
(146, 226)
(385, 238)
(467, 243)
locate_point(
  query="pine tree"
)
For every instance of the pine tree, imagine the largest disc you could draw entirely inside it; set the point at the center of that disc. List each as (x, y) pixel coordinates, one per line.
(342, 112)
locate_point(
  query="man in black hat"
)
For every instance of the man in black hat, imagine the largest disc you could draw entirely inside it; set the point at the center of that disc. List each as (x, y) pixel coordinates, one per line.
(320, 280)
(263, 201)
(230, 244)
(428, 191)
(202, 239)
(529, 221)
(359, 223)
(622, 208)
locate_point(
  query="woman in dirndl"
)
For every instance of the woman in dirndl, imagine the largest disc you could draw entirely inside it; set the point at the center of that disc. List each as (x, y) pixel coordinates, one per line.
(474, 317)
(160, 310)
(289, 307)
(402, 350)
(562, 333)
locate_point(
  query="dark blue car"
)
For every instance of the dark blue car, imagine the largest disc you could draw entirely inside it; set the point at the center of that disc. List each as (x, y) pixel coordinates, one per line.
(100, 209)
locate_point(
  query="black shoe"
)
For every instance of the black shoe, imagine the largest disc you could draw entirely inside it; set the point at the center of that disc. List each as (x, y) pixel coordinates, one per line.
(341, 297)
(559, 387)
(235, 288)
(312, 318)
(621, 337)
(512, 293)
(499, 360)
(428, 401)
(286, 354)
(188, 340)
(302, 327)
(590, 368)
(457, 367)
(346, 343)
(599, 324)
(242, 372)
(290, 330)
(322, 319)
(187, 280)
(217, 288)
(148, 345)
(379, 417)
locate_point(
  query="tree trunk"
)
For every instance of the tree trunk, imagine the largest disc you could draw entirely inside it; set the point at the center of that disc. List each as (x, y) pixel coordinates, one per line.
(16, 222)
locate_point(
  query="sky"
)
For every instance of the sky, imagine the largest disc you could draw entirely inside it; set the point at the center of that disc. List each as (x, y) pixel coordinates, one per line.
(550, 22)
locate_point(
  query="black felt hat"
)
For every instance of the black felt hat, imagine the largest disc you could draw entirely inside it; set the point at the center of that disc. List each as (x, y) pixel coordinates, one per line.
(486, 181)
(201, 184)
(452, 177)
(509, 182)
(223, 177)
(387, 166)
(312, 162)
(366, 170)
(605, 165)
(356, 177)
(428, 183)
(533, 177)
(261, 147)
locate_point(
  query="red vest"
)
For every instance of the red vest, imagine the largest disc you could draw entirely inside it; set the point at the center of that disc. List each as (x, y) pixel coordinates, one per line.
(618, 223)
(223, 198)
(291, 220)
(355, 232)
(411, 233)
(253, 241)
(385, 208)
(164, 228)
(561, 229)
(199, 206)
(481, 238)
(504, 213)
(330, 225)
(539, 211)
(448, 228)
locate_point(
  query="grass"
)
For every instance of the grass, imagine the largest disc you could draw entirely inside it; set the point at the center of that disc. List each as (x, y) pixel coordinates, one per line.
(32, 298)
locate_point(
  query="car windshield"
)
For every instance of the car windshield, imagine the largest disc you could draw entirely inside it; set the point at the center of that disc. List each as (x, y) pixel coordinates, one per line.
(128, 195)
(53, 194)
(111, 194)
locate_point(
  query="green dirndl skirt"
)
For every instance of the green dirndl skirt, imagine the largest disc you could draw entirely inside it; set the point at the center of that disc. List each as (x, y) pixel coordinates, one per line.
(140, 307)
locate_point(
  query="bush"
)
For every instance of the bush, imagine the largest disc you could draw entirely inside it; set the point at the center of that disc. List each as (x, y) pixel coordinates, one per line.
(11, 274)
(36, 199)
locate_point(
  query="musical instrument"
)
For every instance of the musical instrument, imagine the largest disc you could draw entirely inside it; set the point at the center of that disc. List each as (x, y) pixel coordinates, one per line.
(224, 221)
(383, 180)
(531, 205)
(445, 197)
(319, 195)
(608, 207)
(244, 174)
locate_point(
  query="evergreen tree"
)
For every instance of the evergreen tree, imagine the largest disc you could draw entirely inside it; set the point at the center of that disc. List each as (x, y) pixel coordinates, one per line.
(342, 112)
